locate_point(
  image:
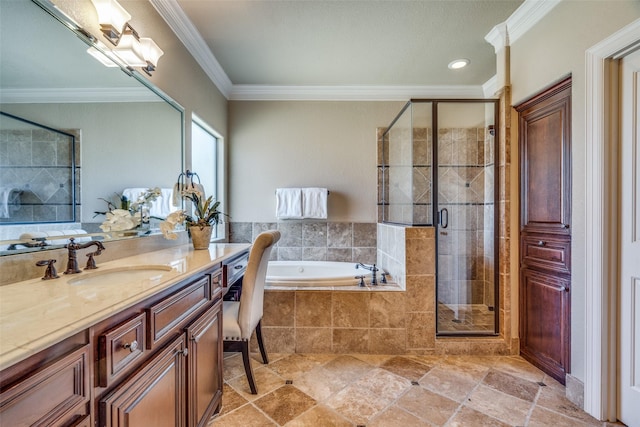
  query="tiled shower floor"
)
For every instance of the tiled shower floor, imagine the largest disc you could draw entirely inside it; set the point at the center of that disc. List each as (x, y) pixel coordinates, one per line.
(462, 318)
(320, 390)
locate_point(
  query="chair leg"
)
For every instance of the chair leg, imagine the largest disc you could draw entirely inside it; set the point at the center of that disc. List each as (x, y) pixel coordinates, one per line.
(246, 359)
(263, 352)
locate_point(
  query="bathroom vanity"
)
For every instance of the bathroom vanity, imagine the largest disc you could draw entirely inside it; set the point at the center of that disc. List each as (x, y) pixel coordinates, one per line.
(137, 342)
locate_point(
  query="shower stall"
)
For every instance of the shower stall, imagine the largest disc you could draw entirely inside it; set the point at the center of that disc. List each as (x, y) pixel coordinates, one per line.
(438, 169)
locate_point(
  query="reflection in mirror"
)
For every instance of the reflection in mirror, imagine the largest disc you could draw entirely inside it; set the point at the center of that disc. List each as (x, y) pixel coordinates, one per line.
(131, 133)
(37, 171)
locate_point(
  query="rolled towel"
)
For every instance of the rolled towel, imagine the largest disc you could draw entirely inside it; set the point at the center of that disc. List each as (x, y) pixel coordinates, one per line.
(289, 203)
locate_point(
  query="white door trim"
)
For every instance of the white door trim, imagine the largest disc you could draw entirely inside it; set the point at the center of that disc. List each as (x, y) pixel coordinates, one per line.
(600, 388)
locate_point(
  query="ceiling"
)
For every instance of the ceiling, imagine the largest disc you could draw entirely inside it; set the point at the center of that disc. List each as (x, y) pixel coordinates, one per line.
(344, 43)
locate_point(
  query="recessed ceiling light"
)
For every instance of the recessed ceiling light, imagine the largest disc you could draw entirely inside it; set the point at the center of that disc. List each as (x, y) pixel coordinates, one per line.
(458, 63)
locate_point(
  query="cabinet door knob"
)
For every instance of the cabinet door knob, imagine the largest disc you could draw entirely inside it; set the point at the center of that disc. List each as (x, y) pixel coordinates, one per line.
(132, 346)
(541, 243)
(184, 352)
(238, 267)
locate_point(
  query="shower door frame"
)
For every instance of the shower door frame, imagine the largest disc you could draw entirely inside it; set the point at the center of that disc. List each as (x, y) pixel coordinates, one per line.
(436, 204)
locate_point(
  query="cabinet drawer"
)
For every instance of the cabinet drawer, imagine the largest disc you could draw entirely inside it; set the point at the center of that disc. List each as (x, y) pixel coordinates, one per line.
(119, 348)
(55, 395)
(167, 315)
(547, 252)
(216, 284)
(234, 269)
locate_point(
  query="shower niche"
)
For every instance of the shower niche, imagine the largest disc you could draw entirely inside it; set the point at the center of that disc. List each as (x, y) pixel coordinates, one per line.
(437, 167)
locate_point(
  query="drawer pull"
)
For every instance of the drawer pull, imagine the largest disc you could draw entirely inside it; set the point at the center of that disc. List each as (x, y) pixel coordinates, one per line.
(184, 352)
(133, 346)
(541, 243)
(238, 267)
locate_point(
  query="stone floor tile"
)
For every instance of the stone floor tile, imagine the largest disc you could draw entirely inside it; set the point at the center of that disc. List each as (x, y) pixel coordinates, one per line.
(407, 368)
(468, 417)
(550, 399)
(266, 381)
(294, 365)
(428, 406)
(349, 367)
(448, 383)
(319, 416)
(541, 417)
(231, 400)
(284, 404)
(515, 386)
(499, 405)
(397, 417)
(466, 366)
(519, 367)
(246, 416)
(320, 383)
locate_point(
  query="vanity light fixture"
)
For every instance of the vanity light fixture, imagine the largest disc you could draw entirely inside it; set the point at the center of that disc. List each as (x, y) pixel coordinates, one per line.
(112, 18)
(129, 47)
(458, 63)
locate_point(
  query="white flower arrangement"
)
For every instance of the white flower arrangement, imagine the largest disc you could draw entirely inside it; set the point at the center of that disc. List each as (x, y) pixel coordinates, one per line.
(119, 220)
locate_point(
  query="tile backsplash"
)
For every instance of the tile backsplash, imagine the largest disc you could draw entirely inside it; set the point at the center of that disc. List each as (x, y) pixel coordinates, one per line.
(314, 240)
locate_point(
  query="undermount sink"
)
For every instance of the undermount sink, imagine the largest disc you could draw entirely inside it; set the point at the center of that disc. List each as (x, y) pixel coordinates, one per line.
(132, 273)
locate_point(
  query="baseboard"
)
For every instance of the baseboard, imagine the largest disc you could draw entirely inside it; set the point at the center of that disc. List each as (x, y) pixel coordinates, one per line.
(574, 390)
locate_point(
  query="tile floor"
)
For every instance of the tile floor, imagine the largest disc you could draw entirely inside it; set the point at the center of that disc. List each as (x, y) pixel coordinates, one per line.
(385, 391)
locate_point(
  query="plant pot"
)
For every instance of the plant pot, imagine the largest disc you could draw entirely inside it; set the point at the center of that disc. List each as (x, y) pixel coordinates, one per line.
(200, 236)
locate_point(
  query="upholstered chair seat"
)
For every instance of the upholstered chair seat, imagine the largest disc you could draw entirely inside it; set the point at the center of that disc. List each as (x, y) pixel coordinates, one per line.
(241, 318)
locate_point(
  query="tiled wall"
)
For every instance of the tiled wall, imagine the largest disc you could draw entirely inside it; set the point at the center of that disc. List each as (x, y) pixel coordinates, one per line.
(37, 163)
(313, 240)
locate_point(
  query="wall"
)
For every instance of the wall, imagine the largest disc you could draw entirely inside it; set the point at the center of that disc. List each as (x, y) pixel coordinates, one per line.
(554, 48)
(305, 144)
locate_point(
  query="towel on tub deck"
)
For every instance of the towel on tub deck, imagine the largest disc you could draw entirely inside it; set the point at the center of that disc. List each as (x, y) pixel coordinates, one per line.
(289, 203)
(314, 203)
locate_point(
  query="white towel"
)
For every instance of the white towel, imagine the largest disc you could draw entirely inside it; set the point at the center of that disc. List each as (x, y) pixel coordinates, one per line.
(289, 203)
(160, 208)
(8, 195)
(314, 203)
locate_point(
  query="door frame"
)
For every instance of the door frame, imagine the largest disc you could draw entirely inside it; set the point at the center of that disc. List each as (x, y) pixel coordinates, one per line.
(602, 221)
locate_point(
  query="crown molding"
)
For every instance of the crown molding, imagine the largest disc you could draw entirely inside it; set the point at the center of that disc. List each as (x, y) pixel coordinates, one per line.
(180, 24)
(78, 95)
(490, 87)
(498, 36)
(350, 93)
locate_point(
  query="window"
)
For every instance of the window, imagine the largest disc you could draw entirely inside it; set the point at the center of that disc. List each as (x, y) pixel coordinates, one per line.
(205, 155)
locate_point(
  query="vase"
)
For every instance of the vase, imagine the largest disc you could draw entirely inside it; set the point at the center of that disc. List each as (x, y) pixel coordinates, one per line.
(200, 236)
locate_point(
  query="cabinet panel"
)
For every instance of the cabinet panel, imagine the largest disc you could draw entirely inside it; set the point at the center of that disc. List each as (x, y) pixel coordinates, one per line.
(204, 366)
(216, 284)
(119, 348)
(165, 316)
(56, 395)
(547, 252)
(154, 396)
(544, 334)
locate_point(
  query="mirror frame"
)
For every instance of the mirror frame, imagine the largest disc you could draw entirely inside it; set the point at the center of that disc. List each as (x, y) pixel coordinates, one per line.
(90, 41)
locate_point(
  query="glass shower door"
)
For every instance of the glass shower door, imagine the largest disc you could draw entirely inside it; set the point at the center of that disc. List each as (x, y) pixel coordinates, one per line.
(465, 206)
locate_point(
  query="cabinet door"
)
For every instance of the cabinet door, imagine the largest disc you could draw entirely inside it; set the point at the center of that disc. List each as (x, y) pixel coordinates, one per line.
(56, 395)
(204, 366)
(154, 396)
(544, 334)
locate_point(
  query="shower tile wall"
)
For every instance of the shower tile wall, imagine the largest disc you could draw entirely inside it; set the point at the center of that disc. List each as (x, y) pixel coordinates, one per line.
(314, 241)
(37, 164)
(466, 164)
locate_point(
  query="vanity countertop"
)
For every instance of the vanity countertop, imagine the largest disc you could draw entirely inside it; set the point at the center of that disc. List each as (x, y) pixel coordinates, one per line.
(35, 314)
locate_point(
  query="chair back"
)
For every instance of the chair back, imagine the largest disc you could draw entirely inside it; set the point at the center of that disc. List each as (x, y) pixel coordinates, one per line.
(252, 296)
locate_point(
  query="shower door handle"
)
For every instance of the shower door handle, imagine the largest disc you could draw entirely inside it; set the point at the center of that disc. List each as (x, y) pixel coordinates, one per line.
(444, 218)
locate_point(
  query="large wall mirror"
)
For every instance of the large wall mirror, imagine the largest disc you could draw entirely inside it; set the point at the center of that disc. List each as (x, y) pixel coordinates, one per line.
(128, 134)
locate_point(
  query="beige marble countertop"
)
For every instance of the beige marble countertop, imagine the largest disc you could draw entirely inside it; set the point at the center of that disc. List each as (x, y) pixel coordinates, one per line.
(35, 314)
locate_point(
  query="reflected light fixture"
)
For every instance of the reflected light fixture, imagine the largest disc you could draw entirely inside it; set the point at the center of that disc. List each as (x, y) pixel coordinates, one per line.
(129, 46)
(101, 55)
(456, 64)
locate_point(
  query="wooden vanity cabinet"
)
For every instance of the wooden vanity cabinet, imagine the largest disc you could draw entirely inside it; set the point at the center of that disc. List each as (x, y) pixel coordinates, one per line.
(176, 379)
(50, 388)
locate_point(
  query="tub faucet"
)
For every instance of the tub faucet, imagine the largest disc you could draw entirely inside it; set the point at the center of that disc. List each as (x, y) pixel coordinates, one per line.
(373, 269)
(72, 262)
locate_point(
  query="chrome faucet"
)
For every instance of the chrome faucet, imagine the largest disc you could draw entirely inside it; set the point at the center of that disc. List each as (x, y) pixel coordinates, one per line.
(373, 269)
(72, 262)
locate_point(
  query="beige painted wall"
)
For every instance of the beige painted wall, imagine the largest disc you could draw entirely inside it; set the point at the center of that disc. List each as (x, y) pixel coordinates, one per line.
(555, 48)
(305, 144)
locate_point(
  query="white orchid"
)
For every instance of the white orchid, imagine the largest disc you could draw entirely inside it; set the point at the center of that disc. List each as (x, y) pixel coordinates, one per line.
(119, 220)
(168, 225)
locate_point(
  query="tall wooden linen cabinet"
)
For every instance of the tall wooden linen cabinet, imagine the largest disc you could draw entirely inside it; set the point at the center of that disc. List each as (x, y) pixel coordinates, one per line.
(545, 229)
